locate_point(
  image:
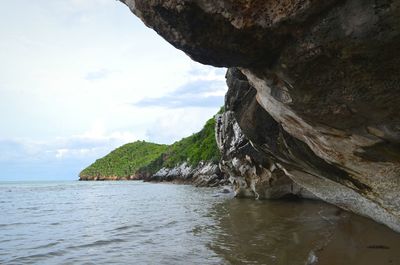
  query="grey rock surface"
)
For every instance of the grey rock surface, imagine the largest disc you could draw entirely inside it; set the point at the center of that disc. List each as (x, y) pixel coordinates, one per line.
(205, 174)
(250, 171)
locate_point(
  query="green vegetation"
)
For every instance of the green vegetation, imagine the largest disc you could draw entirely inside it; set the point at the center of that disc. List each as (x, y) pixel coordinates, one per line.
(126, 160)
(146, 158)
(198, 147)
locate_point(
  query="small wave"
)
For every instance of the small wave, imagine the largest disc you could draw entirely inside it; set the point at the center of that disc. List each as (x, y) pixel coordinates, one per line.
(15, 224)
(125, 227)
(171, 223)
(38, 257)
(28, 208)
(46, 245)
(98, 243)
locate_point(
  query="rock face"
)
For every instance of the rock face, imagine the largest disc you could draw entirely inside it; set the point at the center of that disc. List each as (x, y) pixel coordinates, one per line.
(252, 173)
(313, 85)
(110, 178)
(206, 174)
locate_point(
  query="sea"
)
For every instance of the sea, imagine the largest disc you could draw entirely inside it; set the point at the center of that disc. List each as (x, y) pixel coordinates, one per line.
(133, 222)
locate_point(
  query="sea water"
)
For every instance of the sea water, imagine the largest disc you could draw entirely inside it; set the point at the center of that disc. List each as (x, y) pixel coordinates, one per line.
(142, 223)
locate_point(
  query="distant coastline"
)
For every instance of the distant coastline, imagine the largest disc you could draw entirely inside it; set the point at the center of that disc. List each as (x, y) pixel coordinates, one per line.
(192, 160)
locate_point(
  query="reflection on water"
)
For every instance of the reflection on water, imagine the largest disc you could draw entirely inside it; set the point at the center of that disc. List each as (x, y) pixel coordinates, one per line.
(300, 232)
(141, 223)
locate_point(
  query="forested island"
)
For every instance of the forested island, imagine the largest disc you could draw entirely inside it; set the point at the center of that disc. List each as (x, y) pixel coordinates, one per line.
(143, 160)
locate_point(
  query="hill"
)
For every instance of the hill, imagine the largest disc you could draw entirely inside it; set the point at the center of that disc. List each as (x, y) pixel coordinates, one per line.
(124, 162)
(141, 159)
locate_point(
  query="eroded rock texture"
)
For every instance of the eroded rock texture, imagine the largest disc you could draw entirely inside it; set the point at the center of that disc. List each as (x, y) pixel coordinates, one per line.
(205, 174)
(324, 78)
(251, 171)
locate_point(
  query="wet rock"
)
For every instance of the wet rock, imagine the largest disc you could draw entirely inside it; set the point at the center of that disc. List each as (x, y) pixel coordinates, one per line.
(312, 259)
(226, 190)
(205, 174)
(295, 158)
(109, 178)
(252, 173)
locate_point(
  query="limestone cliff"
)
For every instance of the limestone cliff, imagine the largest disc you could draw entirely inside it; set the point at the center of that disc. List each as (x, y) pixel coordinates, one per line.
(252, 173)
(314, 86)
(204, 174)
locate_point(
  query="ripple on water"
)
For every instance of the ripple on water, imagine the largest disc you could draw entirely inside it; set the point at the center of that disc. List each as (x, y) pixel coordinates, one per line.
(141, 223)
(49, 245)
(126, 227)
(16, 224)
(98, 243)
(37, 257)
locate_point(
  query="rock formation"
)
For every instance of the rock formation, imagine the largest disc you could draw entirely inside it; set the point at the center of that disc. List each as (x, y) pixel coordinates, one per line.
(205, 174)
(251, 171)
(323, 86)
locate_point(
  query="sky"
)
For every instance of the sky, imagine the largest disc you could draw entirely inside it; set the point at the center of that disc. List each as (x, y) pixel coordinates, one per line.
(79, 78)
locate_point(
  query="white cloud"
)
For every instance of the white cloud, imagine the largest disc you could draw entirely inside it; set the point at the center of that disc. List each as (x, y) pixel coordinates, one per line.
(60, 153)
(206, 73)
(98, 74)
(93, 144)
(84, 4)
(178, 123)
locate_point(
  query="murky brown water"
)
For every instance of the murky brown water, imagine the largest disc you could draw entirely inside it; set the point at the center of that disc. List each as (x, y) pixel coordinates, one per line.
(300, 232)
(141, 223)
